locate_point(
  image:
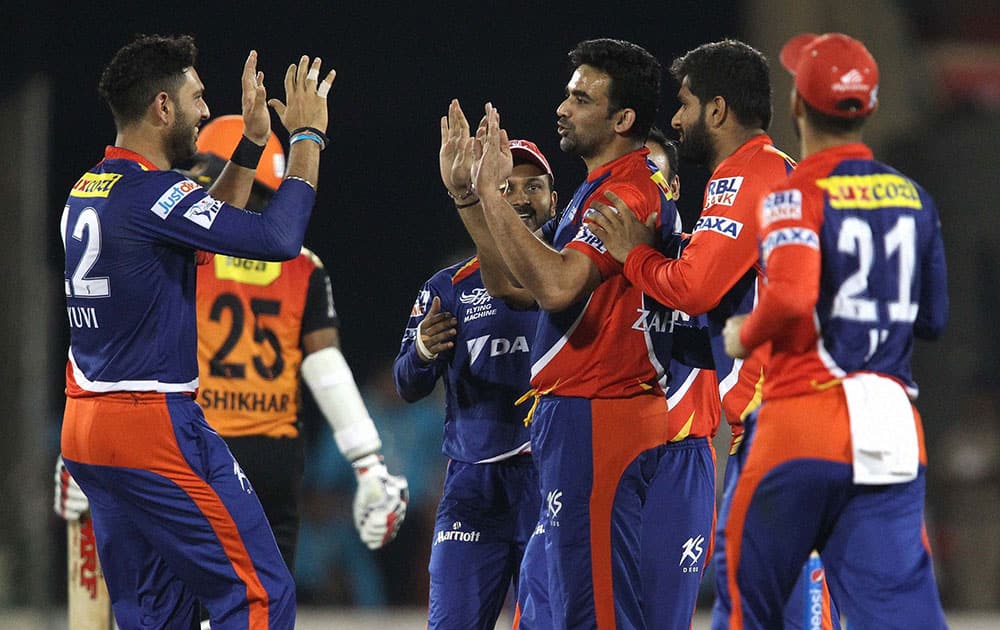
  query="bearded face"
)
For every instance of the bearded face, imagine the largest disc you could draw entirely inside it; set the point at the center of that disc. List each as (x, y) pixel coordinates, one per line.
(696, 142)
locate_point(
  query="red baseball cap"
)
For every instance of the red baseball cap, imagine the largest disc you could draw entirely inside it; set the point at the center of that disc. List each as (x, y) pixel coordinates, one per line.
(527, 151)
(834, 73)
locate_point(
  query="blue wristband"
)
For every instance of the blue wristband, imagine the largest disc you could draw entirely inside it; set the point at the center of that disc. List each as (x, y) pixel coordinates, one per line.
(306, 135)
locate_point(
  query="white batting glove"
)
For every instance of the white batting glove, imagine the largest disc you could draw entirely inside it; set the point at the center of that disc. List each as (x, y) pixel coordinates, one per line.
(380, 502)
(70, 501)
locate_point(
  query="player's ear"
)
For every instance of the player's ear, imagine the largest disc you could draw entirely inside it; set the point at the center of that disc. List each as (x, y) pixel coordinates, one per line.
(554, 204)
(718, 111)
(161, 107)
(624, 120)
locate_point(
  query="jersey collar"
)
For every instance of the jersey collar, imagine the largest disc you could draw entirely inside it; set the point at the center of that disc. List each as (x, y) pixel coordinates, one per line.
(604, 169)
(118, 153)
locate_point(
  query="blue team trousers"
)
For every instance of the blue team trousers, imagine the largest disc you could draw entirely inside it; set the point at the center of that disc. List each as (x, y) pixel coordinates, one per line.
(484, 520)
(175, 518)
(675, 544)
(809, 606)
(596, 462)
(795, 494)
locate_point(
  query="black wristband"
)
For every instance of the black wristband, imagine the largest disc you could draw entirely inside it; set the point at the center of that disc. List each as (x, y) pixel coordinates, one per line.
(247, 153)
(314, 130)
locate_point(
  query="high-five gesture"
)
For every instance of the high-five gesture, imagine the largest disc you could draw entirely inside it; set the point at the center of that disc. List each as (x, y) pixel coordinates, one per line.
(455, 158)
(305, 95)
(256, 118)
(493, 160)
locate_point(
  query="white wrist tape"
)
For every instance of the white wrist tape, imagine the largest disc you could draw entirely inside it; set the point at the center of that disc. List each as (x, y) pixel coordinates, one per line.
(422, 350)
(332, 385)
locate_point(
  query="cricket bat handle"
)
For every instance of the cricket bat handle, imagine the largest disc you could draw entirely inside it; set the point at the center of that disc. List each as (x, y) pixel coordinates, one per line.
(89, 602)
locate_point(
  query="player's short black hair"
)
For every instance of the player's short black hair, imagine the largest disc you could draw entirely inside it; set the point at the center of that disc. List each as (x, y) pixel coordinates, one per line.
(834, 125)
(733, 70)
(141, 69)
(669, 147)
(635, 77)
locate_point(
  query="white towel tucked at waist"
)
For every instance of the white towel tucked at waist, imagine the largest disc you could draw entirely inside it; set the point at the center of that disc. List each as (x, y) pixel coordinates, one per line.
(883, 431)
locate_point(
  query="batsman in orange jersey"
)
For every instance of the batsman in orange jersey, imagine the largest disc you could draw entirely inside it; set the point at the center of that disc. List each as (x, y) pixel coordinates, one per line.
(263, 329)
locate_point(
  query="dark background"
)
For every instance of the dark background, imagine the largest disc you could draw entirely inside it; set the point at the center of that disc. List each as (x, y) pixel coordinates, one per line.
(382, 222)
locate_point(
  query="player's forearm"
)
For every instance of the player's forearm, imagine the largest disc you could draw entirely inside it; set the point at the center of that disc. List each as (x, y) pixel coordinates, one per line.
(415, 379)
(541, 270)
(277, 232)
(303, 161)
(497, 277)
(694, 283)
(233, 185)
(788, 298)
(331, 382)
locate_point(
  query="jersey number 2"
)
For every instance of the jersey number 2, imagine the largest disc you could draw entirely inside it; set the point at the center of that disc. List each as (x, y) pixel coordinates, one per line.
(79, 285)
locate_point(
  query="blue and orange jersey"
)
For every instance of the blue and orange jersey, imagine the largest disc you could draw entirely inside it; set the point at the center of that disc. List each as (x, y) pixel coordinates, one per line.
(616, 342)
(717, 271)
(252, 315)
(855, 269)
(484, 374)
(693, 392)
(130, 232)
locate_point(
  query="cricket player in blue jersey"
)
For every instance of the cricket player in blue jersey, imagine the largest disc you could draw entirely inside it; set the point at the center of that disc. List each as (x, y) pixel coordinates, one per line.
(479, 347)
(855, 271)
(175, 517)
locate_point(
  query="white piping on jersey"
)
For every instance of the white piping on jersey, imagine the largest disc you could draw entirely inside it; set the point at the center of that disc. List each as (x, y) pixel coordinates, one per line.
(681, 391)
(520, 450)
(824, 355)
(540, 364)
(664, 376)
(733, 377)
(127, 386)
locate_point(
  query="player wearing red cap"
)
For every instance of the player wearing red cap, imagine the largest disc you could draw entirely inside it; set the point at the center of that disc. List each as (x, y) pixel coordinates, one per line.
(855, 269)
(480, 348)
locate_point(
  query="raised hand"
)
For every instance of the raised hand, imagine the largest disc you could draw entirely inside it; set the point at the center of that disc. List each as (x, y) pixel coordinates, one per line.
(256, 118)
(491, 150)
(455, 158)
(306, 96)
(618, 228)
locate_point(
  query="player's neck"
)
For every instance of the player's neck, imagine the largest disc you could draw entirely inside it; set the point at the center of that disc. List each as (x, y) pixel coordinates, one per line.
(145, 145)
(611, 152)
(814, 141)
(728, 143)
